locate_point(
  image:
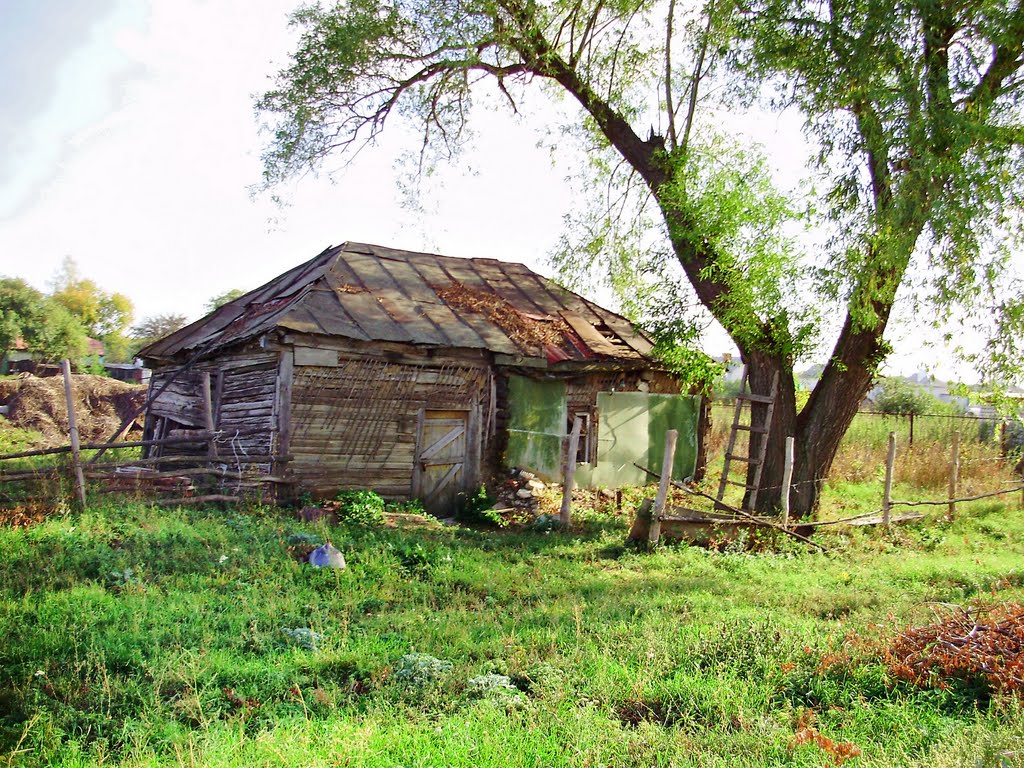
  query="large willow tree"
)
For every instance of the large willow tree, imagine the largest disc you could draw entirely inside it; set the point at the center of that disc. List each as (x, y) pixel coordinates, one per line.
(914, 107)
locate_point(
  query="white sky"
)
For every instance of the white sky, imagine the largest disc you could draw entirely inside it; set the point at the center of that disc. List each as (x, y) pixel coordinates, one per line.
(131, 142)
(128, 142)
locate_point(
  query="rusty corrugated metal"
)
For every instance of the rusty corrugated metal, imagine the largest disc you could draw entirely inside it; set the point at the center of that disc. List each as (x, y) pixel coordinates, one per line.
(373, 293)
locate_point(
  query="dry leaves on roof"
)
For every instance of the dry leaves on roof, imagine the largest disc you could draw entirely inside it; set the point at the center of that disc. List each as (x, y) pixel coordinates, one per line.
(527, 333)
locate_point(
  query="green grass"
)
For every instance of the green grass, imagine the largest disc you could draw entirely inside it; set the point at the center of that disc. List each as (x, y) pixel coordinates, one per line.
(134, 636)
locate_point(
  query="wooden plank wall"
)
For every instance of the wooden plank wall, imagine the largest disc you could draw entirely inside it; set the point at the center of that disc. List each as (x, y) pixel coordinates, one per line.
(354, 424)
(248, 402)
(244, 386)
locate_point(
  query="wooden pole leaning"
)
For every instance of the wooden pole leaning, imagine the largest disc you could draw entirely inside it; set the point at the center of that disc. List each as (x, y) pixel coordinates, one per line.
(890, 462)
(569, 476)
(671, 437)
(954, 474)
(76, 454)
(208, 416)
(787, 479)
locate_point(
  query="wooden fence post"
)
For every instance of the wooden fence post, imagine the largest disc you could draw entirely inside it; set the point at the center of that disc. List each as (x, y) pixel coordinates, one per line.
(76, 457)
(569, 476)
(787, 478)
(890, 461)
(954, 474)
(663, 485)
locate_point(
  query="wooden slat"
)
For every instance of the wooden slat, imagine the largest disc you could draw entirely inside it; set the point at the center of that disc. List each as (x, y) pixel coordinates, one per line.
(445, 481)
(755, 398)
(449, 437)
(596, 342)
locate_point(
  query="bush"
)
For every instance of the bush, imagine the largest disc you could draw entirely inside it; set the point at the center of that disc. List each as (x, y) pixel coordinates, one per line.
(899, 398)
(360, 508)
(478, 509)
(420, 669)
(976, 654)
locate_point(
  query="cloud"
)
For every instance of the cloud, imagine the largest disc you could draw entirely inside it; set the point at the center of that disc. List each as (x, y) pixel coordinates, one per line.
(61, 72)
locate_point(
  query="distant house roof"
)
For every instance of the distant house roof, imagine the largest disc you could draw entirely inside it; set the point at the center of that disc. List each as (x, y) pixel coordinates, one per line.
(372, 293)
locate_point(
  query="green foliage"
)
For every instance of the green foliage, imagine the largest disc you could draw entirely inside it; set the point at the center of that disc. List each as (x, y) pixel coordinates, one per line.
(902, 398)
(496, 688)
(478, 509)
(722, 199)
(103, 316)
(695, 369)
(421, 669)
(47, 328)
(15, 439)
(21, 311)
(360, 508)
(218, 301)
(303, 637)
(914, 109)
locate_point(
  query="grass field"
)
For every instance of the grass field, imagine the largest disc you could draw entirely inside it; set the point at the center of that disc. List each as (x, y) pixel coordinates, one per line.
(137, 637)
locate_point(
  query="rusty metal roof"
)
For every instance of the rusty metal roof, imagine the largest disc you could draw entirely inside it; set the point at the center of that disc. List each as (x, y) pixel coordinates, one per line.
(372, 293)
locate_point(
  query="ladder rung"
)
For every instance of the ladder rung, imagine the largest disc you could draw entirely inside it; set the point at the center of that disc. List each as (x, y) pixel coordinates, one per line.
(746, 459)
(755, 430)
(756, 398)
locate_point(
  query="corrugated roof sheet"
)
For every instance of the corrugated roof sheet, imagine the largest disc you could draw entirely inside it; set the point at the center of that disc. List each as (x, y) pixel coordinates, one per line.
(373, 293)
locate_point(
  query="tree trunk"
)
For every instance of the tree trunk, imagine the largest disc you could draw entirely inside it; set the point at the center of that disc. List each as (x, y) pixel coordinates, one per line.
(819, 428)
(761, 371)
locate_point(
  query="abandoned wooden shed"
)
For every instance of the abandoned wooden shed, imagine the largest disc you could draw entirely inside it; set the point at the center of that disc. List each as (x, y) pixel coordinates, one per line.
(419, 376)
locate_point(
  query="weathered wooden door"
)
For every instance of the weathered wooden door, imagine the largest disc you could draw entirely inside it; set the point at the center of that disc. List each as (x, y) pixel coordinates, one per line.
(441, 458)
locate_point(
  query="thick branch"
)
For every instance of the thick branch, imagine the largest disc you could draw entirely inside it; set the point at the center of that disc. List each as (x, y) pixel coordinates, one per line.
(1006, 60)
(669, 108)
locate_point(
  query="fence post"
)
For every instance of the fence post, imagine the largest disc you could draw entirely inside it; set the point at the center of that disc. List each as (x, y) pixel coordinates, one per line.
(787, 478)
(76, 458)
(569, 476)
(890, 461)
(666, 478)
(954, 474)
(910, 442)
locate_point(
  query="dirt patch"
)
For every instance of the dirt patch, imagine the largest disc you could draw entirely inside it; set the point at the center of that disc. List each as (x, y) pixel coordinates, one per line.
(101, 404)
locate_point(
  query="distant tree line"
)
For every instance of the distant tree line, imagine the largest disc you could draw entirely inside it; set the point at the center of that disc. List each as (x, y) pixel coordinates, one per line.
(61, 323)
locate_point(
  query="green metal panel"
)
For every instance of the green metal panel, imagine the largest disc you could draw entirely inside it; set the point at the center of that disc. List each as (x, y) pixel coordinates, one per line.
(681, 414)
(631, 430)
(536, 425)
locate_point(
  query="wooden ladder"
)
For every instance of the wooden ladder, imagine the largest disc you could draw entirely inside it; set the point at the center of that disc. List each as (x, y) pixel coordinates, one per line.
(753, 428)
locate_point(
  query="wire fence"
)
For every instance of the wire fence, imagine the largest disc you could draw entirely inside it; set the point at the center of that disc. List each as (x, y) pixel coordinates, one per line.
(988, 452)
(872, 429)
